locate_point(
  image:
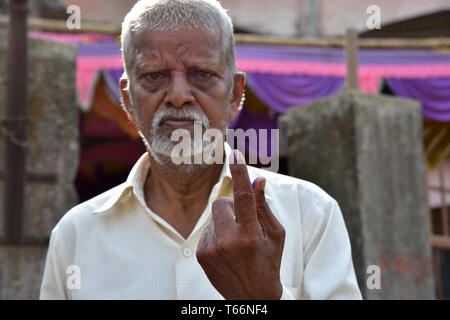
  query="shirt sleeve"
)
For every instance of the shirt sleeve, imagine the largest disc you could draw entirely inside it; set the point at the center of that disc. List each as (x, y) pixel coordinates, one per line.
(54, 278)
(328, 266)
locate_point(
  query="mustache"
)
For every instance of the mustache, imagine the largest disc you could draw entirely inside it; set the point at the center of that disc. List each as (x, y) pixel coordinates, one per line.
(179, 114)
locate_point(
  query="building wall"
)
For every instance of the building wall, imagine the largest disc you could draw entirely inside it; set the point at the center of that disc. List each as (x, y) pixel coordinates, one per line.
(337, 16)
(265, 16)
(257, 16)
(307, 18)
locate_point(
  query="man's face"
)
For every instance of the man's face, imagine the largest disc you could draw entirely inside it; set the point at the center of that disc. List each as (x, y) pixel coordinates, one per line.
(178, 77)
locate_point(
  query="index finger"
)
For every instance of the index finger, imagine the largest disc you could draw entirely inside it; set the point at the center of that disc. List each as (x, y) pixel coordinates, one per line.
(244, 197)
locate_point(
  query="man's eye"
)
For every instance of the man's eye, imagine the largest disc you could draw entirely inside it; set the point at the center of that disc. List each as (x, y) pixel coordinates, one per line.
(204, 75)
(154, 76)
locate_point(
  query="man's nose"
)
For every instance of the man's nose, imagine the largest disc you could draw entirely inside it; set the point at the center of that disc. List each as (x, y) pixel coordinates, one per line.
(179, 93)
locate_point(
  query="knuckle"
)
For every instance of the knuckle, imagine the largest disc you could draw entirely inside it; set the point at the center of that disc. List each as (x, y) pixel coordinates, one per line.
(226, 246)
(243, 195)
(251, 243)
(260, 207)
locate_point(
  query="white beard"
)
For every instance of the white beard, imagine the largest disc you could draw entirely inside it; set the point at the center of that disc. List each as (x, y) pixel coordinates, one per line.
(160, 145)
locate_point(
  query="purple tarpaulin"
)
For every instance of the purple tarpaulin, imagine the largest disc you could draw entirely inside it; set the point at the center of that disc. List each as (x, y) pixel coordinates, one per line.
(281, 92)
(411, 73)
(287, 76)
(337, 55)
(284, 76)
(434, 94)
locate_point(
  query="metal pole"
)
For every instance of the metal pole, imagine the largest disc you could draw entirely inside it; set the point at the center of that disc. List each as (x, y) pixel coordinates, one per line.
(16, 120)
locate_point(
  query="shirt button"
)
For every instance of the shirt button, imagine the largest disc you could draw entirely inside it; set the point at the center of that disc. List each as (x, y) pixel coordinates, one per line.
(187, 252)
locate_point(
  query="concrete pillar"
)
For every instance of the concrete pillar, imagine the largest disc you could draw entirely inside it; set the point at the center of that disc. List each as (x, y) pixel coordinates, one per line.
(52, 162)
(366, 151)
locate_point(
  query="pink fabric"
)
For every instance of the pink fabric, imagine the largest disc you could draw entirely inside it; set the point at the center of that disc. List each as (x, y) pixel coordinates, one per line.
(369, 75)
(369, 84)
(88, 68)
(291, 67)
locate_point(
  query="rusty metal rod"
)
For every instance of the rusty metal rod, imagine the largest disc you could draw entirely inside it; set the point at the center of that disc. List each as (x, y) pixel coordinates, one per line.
(16, 111)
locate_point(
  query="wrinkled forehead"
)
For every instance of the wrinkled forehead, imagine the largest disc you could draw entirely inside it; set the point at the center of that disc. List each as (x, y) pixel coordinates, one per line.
(194, 45)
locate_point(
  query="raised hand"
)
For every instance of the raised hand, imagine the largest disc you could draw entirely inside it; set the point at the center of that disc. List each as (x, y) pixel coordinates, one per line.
(240, 250)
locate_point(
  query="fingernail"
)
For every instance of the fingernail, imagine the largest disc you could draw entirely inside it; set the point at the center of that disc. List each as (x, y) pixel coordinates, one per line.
(263, 184)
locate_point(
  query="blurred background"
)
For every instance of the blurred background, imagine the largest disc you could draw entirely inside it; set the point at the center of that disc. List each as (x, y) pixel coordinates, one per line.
(364, 112)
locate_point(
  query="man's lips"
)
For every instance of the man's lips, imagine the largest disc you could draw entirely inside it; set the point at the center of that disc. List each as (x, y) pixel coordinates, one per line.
(177, 123)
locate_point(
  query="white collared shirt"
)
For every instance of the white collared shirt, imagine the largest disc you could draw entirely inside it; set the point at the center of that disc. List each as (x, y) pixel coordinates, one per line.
(114, 247)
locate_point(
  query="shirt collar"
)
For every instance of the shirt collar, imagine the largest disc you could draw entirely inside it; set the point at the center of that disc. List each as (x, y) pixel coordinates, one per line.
(136, 179)
(133, 183)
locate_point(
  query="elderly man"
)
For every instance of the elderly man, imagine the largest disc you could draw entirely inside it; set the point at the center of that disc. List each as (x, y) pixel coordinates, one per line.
(204, 230)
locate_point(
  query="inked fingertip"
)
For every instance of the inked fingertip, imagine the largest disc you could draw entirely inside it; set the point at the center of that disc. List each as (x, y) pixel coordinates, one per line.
(254, 183)
(262, 184)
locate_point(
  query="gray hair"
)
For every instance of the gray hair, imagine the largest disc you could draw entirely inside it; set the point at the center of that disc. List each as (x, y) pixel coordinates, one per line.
(163, 15)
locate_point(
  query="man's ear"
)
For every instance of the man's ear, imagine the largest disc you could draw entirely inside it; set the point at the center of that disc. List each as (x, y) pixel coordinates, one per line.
(237, 95)
(127, 103)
